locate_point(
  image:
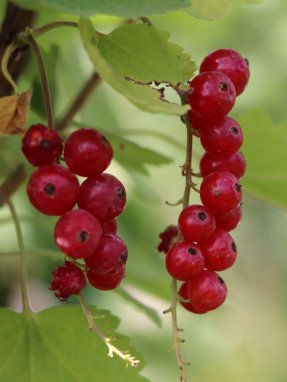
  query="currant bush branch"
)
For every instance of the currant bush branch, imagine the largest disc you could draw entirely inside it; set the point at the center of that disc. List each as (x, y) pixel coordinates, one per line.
(112, 349)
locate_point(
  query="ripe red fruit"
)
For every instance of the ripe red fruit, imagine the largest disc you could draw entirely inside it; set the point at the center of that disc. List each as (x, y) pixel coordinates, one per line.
(41, 146)
(220, 191)
(109, 257)
(235, 164)
(194, 120)
(167, 237)
(231, 63)
(104, 196)
(196, 223)
(206, 290)
(219, 251)
(110, 227)
(77, 233)
(228, 220)
(67, 280)
(105, 282)
(184, 260)
(53, 189)
(188, 305)
(221, 138)
(87, 152)
(211, 95)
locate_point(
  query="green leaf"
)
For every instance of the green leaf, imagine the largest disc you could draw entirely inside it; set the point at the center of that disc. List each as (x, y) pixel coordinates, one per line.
(143, 54)
(265, 149)
(126, 8)
(150, 312)
(56, 345)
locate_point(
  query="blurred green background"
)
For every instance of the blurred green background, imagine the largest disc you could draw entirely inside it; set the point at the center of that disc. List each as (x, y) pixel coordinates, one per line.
(245, 340)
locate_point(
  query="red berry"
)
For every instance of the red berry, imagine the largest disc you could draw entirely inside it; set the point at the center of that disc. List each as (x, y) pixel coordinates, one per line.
(41, 146)
(221, 138)
(188, 305)
(167, 237)
(104, 196)
(87, 152)
(235, 164)
(207, 291)
(77, 233)
(196, 223)
(228, 220)
(219, 251)
(231, 63)
(110, 227)
(211, 95)
(67, 280)
(184, 260)
(109, 257)
(53, 189)
(107, 282)
(194, 120)
(220, 191)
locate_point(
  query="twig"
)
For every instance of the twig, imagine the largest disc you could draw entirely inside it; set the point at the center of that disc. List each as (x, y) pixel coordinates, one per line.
(56, 24)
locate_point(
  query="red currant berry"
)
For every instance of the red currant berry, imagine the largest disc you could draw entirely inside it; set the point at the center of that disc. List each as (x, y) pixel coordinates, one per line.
(53, 189)
(207, 291)
(220, 191)
(235, 164)
(231, 63)
(184, 260)
(228, 220)
(219, 251)
(67, 280)
(110, 227)
(104, 196)
(109, 257)
(77, 233)
(87, 152)
(211, 95)
(41, 146)
(105, 282)
(196, 223)
(194, 120)
(188, 305)
(167, 237)
(221, 138)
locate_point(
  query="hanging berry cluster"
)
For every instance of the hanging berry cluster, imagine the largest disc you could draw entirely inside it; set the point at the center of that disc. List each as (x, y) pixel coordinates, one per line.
(201, 245)
(88, 232)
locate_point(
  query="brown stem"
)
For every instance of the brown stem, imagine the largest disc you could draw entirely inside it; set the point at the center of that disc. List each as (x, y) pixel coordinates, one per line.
(11, 184)
(79, 101)
(56, 24)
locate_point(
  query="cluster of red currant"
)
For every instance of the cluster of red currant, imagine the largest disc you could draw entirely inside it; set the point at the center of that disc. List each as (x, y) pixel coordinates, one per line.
(212, 94)
(89, 232)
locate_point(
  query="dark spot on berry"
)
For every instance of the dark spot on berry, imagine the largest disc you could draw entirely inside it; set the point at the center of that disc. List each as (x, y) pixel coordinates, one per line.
(104, 140)
(217, 192)
(45, 144)
(192, 251)
(202, 216)
(233, 246)
(234, 130)
(220, 280)
(238, 187)
(223, 86)
(247, 61)
(121, 193)
(83, 236)
(50, 189)
(123, 257)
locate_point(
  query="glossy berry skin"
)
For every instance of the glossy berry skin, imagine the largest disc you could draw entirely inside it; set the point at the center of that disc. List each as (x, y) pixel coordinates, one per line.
(53, 189)
(231, 63)
(221, 138)
(87, 152)
(196, 223)
(67, 281)
(220, 191)
(188, 305)
(211, 95)
(194, 120)
(106, 282)
(77, 233)
(235, 164)
(184, 260)
(110, 227)
(109, 257)
(104, 196)
(41, 146)
(207, 291)
(167, 237)
(219, 251)
(228, 220)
